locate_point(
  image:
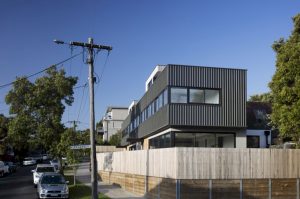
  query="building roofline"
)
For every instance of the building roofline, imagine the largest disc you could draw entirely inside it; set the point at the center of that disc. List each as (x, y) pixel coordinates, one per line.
(115, 107)
(229, 68)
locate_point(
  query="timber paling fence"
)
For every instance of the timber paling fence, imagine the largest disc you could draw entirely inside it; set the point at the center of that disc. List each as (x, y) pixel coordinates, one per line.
(212, 173)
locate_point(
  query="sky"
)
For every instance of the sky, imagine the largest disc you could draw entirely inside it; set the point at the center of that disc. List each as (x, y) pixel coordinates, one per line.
(143, 34)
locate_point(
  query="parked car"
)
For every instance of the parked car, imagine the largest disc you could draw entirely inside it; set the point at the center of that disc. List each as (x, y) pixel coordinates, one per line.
(45, 156)
(29, 161)
(52, 185)
(39, 170)
(38, 158)
(3, 169)
(55, 163)
(12, 167)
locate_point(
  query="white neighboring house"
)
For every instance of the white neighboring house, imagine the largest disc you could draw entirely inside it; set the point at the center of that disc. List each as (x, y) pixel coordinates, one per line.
(259, 138)
(112, 121)
(258, 132)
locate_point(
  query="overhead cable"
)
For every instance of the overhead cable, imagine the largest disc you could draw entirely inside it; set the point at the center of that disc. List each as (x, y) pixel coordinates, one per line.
(54, 65)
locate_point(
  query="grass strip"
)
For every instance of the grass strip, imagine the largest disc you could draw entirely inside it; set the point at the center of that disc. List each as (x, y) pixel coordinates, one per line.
(81, 191)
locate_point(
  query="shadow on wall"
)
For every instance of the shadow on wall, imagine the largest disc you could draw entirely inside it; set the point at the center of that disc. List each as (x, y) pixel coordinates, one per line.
(205, 189)
(167, 188)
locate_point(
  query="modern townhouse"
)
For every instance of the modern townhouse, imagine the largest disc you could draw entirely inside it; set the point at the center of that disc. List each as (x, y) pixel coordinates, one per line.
(189, 106)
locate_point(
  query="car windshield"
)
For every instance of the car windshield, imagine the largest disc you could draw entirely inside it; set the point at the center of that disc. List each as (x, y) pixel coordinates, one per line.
(45, 169)
(53, 179)
(27, 158)
(55, 161)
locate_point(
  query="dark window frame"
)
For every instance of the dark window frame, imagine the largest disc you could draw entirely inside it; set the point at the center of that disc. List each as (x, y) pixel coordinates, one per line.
(253, 136)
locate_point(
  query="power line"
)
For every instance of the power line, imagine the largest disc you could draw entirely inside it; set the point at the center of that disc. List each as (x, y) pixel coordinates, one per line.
(54, 65)
(103, 69)
(82, 86)
(81, 102)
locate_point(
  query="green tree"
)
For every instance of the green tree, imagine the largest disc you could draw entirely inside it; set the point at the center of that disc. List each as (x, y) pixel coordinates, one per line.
(285, 85)
(3, 132)
(3, 126)
(38, 108)
(99, 124)
(264, 97)
(85, 137)
(115, 139)
(68, 138)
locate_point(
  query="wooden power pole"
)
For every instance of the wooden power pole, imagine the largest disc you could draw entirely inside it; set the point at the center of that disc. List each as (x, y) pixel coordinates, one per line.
(90, 47)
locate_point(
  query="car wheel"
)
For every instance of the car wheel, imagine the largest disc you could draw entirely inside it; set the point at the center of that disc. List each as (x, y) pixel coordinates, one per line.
(1, 174)
(34, 185)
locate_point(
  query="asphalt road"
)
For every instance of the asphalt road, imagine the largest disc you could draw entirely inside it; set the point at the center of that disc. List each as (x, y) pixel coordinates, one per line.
(18, 185)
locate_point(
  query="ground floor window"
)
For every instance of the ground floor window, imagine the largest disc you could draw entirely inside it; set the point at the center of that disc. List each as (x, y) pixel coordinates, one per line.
(253, 141)
(186, 139)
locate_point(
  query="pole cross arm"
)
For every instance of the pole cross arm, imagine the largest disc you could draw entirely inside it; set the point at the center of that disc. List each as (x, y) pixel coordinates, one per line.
(75, 43)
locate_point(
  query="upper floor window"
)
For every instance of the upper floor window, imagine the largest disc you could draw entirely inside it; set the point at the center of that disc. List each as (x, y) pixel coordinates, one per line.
(196, 95)
(165, 97)
(178, 95)
(212, 96)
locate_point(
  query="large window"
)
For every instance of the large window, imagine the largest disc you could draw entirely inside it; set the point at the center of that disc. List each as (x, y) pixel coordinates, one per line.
(178, 95)
(188, 139)
(219, 140)
(201, 96)
(162, 141)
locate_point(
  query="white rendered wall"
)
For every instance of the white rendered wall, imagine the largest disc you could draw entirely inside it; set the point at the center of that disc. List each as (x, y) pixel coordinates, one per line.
(241, 139)
(262, 137)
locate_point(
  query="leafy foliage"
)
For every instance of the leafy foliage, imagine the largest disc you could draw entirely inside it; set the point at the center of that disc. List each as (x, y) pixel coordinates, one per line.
(285, 85)
(3, 126)
(3, 132)
(68, 138)
(115, 139)
(264, 97)
(38, 108)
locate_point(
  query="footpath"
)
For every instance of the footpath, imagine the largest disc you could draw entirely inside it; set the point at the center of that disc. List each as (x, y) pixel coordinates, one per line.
(112, 191)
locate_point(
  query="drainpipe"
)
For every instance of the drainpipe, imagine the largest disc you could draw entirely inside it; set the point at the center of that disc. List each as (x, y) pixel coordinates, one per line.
(267, 133)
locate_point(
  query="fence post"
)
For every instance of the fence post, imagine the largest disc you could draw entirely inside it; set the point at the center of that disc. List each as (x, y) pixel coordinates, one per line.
(158, 188)
(177, 189)
(270, 188)
(241, 188)
(210, 188)
(298, 197)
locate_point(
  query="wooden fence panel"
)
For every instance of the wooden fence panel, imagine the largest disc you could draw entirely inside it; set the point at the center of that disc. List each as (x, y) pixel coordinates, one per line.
(205, 163)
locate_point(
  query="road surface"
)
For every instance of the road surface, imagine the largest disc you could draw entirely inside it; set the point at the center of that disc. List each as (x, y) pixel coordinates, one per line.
(18, 185)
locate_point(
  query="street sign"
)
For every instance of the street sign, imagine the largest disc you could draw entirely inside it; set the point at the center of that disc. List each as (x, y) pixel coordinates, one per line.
(82, 146)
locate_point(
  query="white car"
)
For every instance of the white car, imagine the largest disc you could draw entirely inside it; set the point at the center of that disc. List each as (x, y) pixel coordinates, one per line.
(39, 170)
(45, 156)
(55, 163)
(4, 169)
(29, 161)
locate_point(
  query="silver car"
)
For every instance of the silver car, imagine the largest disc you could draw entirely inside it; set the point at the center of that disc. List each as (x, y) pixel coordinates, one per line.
(52, 185)
(29, 161)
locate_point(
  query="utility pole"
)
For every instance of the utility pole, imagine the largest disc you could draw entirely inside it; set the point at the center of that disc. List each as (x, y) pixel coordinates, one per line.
(90, 47)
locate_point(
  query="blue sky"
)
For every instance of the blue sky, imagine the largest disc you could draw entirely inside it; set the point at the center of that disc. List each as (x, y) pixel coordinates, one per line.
(233, 33)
